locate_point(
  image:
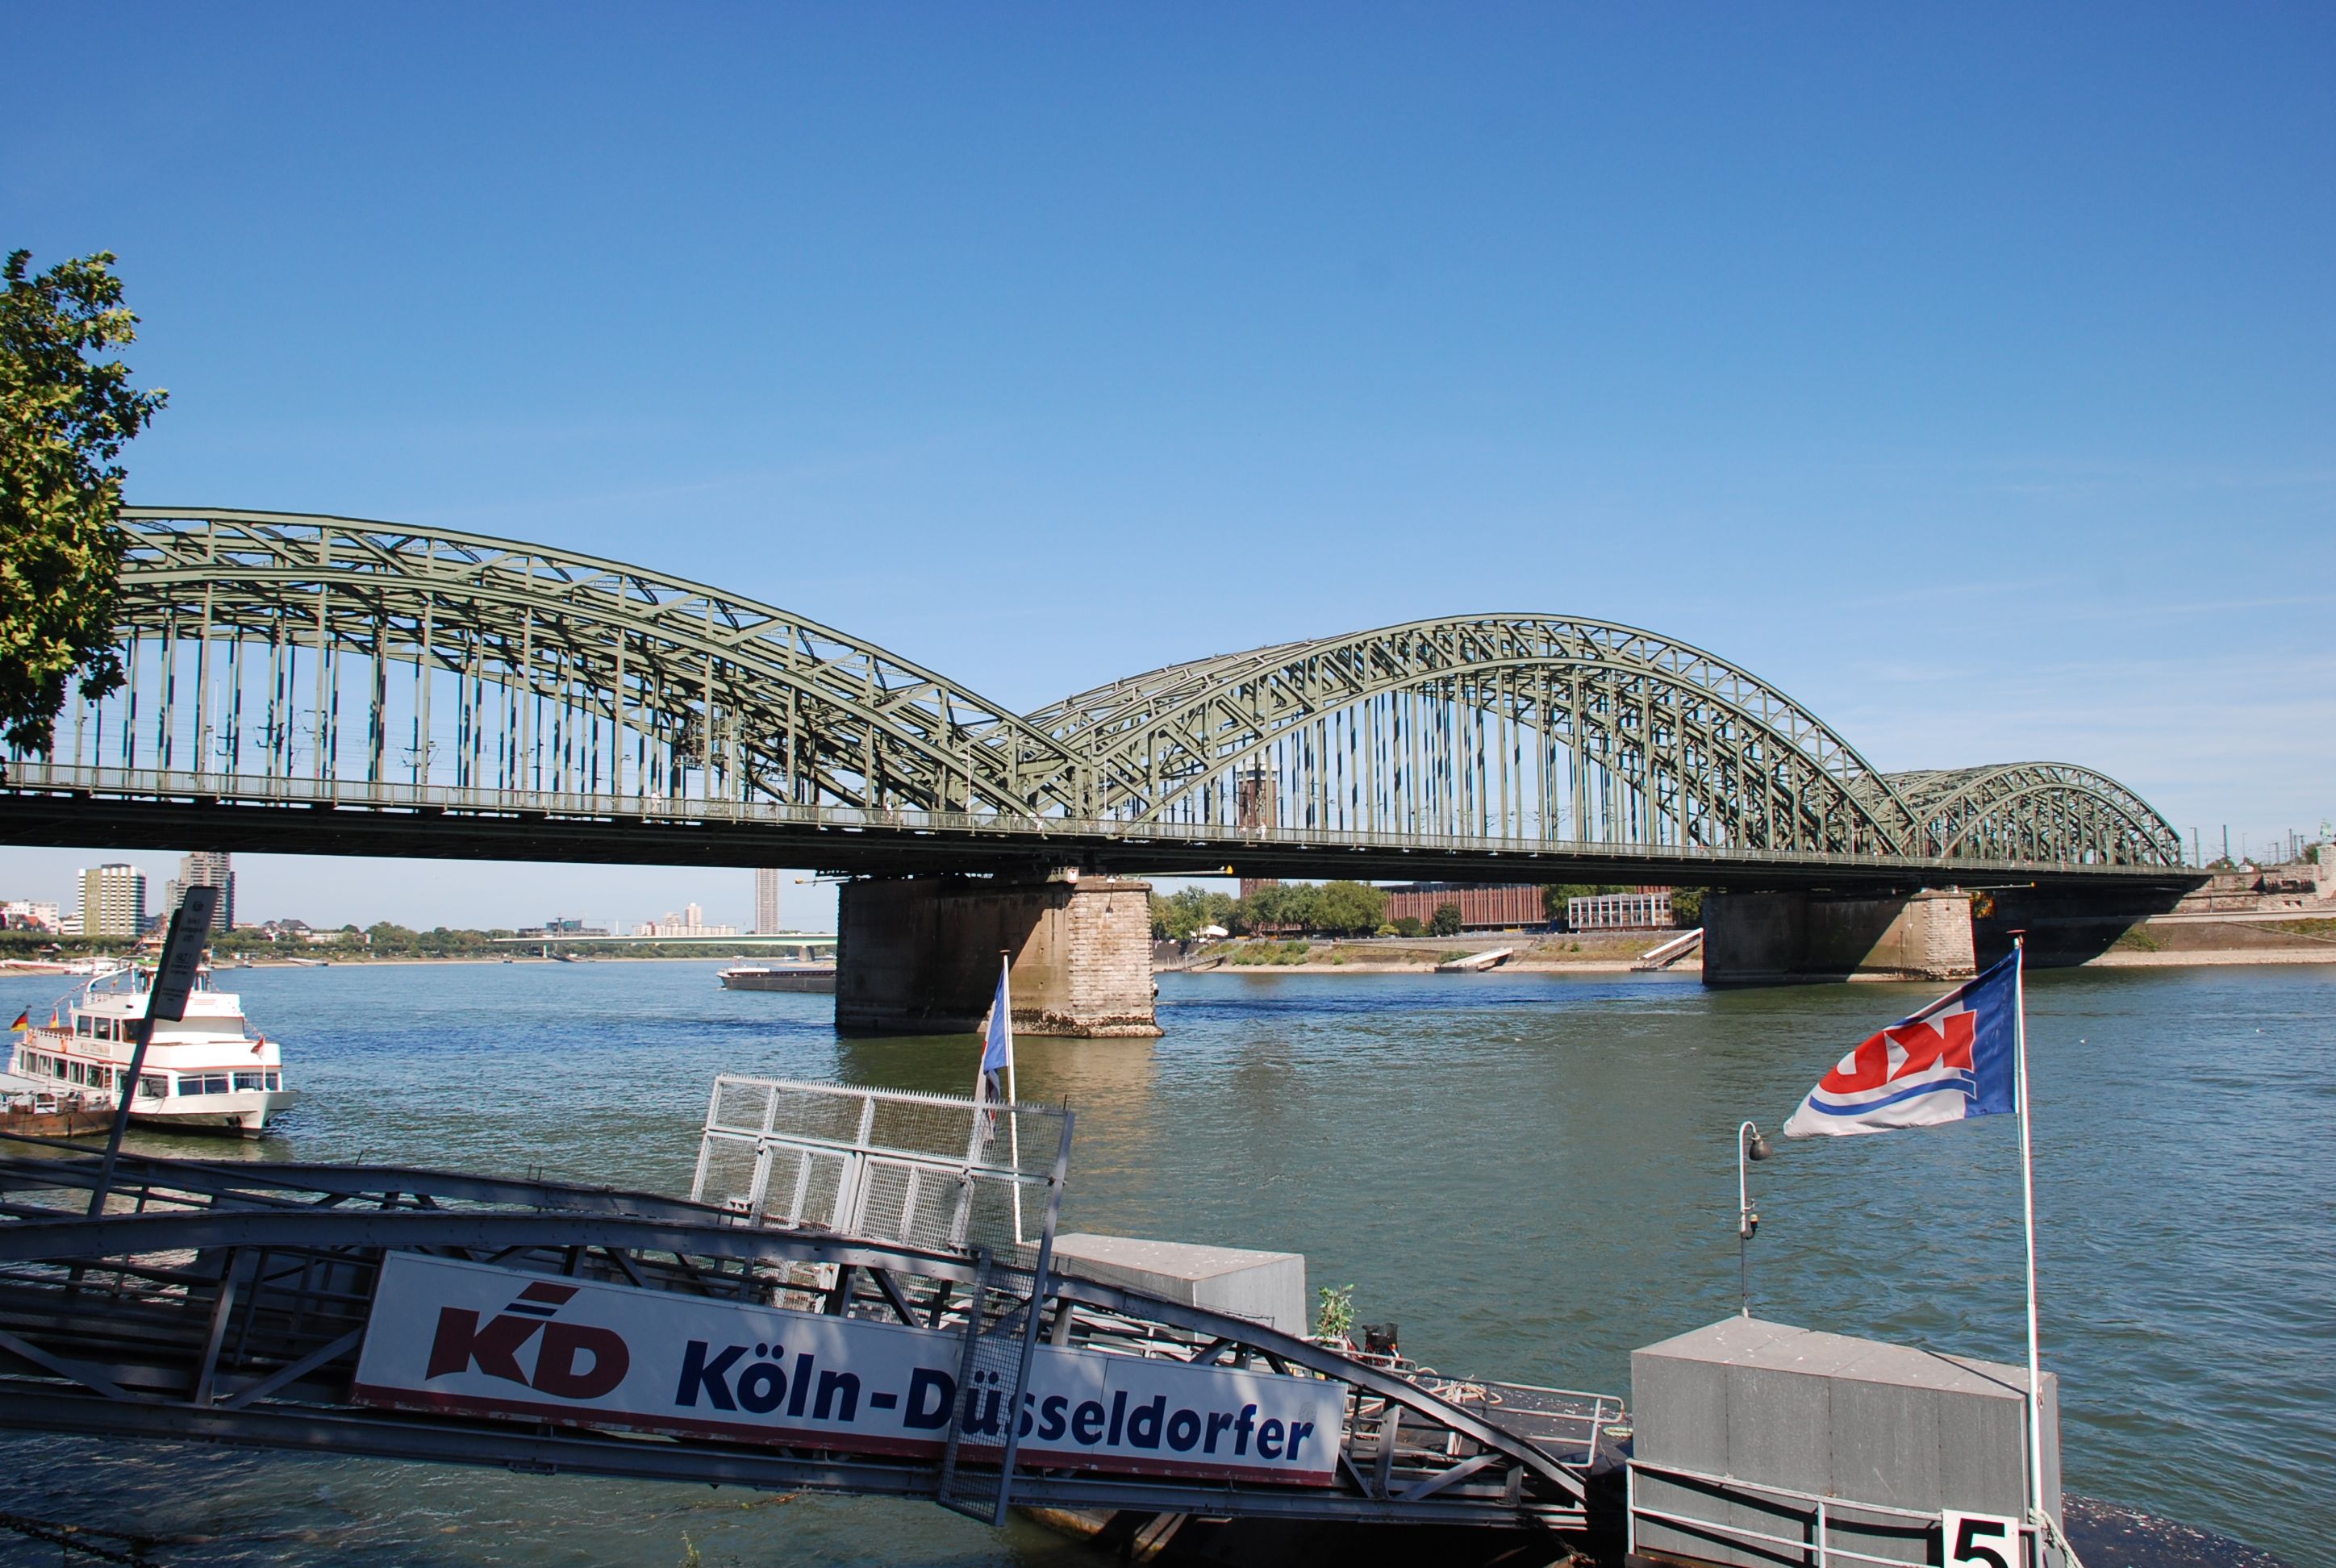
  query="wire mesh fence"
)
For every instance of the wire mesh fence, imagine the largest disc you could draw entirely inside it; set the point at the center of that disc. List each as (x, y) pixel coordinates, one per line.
(931, 1170)
(978, 1461)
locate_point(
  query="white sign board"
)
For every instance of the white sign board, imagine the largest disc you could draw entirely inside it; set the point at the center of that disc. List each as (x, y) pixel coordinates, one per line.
(1980, 1540)
(473, 1340)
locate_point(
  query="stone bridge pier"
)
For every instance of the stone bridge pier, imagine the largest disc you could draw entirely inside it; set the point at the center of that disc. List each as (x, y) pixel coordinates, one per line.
(1792, 938)
(919, 955)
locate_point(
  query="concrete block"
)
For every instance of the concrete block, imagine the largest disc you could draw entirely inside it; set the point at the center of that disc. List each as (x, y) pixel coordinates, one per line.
(1267, 1288)
(1847, 1420)
(1773, 938)
(919, 955)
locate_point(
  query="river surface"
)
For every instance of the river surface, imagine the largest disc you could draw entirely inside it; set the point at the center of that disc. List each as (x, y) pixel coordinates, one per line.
(1531, 1174)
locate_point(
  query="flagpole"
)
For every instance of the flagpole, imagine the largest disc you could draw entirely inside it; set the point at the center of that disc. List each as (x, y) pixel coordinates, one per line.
(1013, 1093)
(2027, 1197)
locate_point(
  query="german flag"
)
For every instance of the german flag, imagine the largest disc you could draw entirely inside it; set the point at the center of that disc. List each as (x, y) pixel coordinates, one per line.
(23, 1022)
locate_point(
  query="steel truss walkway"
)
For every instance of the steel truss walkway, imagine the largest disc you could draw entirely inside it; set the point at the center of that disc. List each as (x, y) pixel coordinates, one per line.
(227, 1302)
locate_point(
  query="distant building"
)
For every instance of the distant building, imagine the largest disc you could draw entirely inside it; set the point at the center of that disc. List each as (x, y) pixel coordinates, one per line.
(30, 915)
(112, 901)
(766, 903)
(560, 926)
(206, 868)
(1648, 909)
(1483, 906)
(690, 922)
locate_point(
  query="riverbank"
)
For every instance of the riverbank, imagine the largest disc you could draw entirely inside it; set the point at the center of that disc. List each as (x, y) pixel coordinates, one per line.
(2146, 946)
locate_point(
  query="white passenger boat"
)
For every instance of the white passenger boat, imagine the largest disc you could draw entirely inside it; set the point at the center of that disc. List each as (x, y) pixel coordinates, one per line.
(205, 1072)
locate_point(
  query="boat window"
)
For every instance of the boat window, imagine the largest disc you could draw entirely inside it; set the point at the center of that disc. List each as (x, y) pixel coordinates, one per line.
(273, 1081)
(251, 1080)
(59, 1067)
(73, 1072)
(208, 1084)
(153, 1087)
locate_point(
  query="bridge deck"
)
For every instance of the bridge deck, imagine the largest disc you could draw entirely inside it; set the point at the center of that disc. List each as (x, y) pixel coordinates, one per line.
(145, 808)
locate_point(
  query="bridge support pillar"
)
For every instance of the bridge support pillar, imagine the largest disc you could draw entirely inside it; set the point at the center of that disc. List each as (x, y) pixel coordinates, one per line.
(919, 955)
(1787, 939)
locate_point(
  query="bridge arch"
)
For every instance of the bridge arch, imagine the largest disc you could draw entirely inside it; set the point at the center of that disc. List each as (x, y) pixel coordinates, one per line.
(1512, 726)
(2035, 810)
(288, 645)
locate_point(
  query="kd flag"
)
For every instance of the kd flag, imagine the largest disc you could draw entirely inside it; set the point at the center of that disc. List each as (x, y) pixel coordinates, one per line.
(1952, 1060)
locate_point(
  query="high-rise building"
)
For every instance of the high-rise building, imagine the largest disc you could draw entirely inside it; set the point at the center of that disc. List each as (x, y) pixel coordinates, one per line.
(766, 903)
(112, 901)
(210, 868)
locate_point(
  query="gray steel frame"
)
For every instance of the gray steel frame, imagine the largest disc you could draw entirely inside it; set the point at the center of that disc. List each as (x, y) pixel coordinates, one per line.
(229, 1304)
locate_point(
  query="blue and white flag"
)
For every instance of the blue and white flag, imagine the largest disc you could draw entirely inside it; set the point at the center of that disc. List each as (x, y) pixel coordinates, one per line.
(998, 1054)
(997, 1057)
(1953, 1059)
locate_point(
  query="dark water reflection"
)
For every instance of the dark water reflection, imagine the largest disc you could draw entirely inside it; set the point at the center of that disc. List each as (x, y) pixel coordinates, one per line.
(1533, 1174)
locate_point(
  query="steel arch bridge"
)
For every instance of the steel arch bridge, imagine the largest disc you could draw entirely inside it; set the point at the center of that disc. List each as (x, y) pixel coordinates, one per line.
(340, 685)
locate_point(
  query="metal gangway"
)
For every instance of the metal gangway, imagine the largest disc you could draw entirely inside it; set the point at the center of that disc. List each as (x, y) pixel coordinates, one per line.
(254, 1304)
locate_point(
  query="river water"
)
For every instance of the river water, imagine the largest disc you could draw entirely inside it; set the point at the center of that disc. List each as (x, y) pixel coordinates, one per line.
(1531, 1174)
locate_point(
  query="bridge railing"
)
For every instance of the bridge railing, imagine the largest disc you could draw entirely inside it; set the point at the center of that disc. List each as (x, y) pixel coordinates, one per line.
(1074, 833)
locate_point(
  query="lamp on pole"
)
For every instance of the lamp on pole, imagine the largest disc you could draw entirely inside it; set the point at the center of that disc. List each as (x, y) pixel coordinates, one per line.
(1750, 1146)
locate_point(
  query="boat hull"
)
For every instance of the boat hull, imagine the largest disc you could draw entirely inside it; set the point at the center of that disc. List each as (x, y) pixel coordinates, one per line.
(244, 1113)
(61, 1123)
(782, 980)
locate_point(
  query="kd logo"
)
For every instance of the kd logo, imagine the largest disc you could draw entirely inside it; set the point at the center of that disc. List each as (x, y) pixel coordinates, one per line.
(573, 1361)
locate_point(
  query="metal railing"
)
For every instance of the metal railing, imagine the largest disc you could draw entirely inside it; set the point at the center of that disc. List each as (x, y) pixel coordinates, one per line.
(932, 1170)
(1819, 1517)
(37, 777)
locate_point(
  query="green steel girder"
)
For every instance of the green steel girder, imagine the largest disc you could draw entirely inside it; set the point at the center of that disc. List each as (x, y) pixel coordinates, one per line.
(1716, 752)
(1677, 722)
(592, 679)
(779, 705)
(1990, 812)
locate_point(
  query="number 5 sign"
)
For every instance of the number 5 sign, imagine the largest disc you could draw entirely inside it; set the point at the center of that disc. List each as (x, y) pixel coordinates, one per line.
(1980, 1540)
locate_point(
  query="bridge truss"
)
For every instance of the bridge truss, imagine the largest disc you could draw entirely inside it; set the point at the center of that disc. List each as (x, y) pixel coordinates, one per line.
(480, 695)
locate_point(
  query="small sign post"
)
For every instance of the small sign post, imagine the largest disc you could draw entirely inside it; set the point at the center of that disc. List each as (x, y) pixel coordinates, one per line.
(174, 980)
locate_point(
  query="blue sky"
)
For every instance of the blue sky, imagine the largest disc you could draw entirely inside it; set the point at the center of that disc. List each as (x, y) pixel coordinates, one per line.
(1963, 371)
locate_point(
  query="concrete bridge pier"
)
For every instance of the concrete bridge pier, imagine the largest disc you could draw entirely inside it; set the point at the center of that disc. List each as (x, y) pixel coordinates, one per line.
(919, 955)
(1792, 938)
